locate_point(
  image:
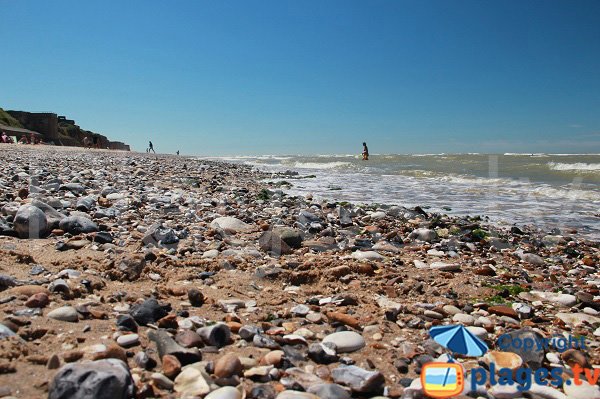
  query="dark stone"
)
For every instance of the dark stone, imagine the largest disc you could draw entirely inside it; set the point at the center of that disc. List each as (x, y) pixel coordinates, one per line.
(195, 297)
(167, 346)
(126, 323)
(148, 311)
(359, 380)
(323, 353)
(101, 379)
(217, 335)
(77, 225)
(248, 332)
(103, 237)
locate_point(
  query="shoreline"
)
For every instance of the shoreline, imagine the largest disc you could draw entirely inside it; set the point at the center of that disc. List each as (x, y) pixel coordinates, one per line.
(216, 244)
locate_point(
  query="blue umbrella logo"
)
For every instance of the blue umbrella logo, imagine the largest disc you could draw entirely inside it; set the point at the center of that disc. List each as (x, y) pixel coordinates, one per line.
(458, 339)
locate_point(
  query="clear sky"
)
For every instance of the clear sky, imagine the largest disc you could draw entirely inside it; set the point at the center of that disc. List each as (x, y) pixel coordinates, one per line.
(308, 77)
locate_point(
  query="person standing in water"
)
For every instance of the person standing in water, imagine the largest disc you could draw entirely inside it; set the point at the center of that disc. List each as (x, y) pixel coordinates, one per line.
(151, 147)
(365, 153)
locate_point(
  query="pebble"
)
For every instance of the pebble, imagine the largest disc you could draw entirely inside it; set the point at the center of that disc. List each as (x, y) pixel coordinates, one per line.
(128, 340)
(346, 341)
(65, 313)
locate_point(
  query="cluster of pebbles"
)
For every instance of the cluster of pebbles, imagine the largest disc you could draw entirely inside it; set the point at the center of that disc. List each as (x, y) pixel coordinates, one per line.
(127, 275)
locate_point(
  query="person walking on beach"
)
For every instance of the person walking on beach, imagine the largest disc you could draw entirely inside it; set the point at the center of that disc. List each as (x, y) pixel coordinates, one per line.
(151, 147)
(365, 153)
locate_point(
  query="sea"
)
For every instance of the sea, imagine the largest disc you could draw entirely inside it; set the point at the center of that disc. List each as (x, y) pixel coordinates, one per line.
(549, 191)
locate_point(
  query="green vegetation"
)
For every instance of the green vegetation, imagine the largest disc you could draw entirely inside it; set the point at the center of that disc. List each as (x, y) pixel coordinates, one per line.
(264, 194)
(479, 234)
(6, 119)
(513, 290)
(504, 291)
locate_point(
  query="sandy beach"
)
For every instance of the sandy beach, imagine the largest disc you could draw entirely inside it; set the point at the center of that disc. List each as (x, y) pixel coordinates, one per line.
(204, 279)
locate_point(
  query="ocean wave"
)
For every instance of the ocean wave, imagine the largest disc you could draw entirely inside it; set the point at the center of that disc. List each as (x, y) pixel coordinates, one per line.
(579, 166)
(319, 165)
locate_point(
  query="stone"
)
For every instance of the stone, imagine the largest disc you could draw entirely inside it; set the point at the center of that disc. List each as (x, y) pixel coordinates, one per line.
(126, 322)
(147, 312)
(228, 366)
(345, 341)
(6, 332)
(504, 310)
(132, 266)
(65, 313)
(100, 379)
(167, 346)
(269, 241)
(217, 335)
(262, 341)
(445, 267)
(323, 353)
(358, 379)
(531, 258)
(583, 391)
(162, 381)
(533, 357)
(344, 216)
(230, 224)
(559, 299)
(53, 217)
(128, 340)
(192, 381)
(195, 297)
(463, 318)
(171, 366)
(189, 339)
(296, 395)
(225, 393)
(329, 391)
(39, 300)
(30, 222)
(367, 255)
(248, 332)
(423, 234)
(577, 319)
(77, 225)
(160, 236)
(503, 359)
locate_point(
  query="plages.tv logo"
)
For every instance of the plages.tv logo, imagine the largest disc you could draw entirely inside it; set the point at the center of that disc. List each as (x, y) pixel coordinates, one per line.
(445, 380)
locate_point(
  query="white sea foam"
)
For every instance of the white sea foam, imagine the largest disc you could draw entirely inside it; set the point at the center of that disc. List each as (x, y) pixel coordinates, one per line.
(578, 166)
(320, 165)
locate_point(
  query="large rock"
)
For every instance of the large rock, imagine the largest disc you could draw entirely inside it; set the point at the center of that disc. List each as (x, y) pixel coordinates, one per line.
(30, 222)
(230, 224)
(101, 379)
(52, 215)
(77, 225)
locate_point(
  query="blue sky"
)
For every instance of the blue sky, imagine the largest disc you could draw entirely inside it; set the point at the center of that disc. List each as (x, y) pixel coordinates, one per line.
(309, 77)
